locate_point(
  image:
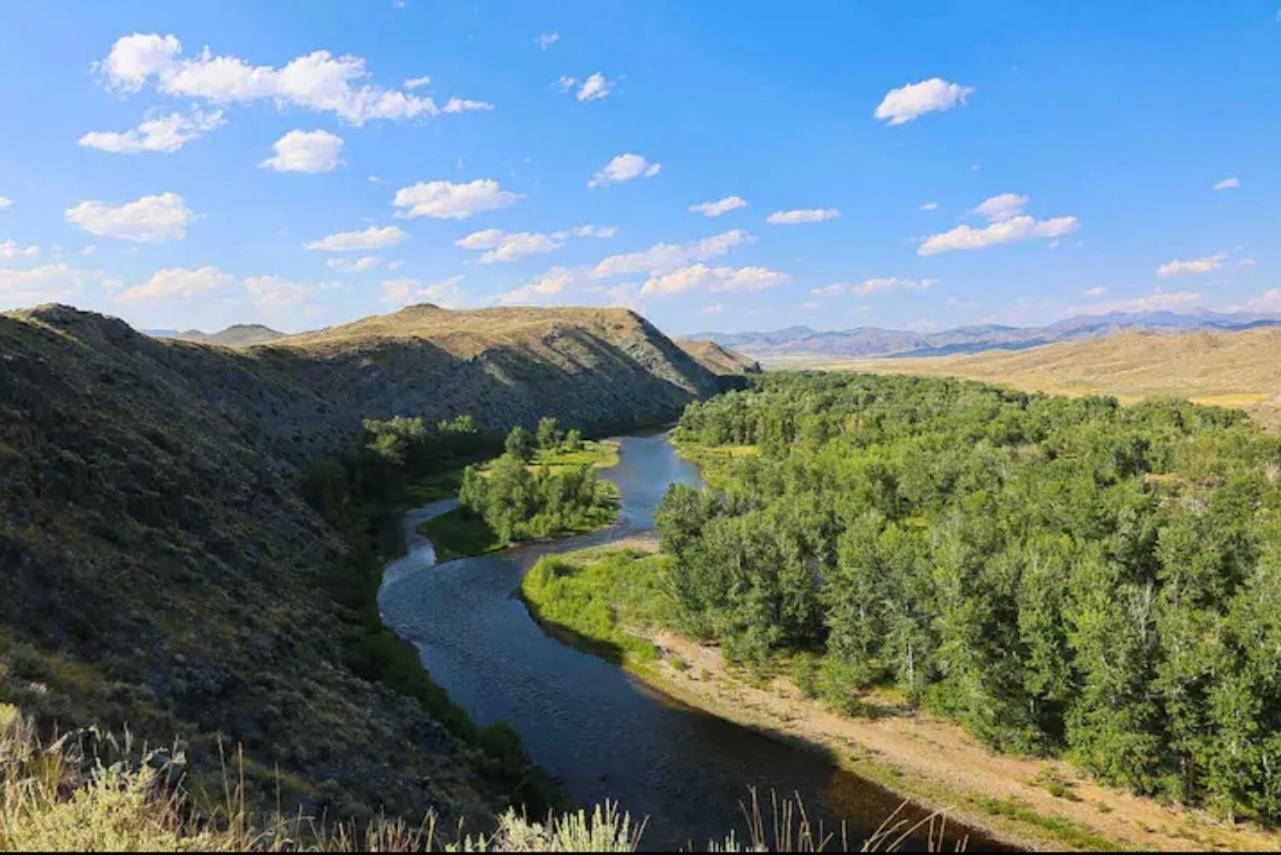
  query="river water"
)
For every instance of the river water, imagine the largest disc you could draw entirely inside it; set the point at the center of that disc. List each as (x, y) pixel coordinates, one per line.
(600, 731)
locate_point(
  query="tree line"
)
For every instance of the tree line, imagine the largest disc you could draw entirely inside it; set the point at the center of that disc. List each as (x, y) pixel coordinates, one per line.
(1060, 576)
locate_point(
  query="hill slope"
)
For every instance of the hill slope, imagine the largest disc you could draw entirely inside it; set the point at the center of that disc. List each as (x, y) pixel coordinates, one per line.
(718, 359)
(160, 569)
(1234, 369)
(237, 335)
(794, 342)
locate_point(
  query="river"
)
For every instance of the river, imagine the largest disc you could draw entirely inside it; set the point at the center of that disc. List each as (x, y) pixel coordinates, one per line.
(599, 730)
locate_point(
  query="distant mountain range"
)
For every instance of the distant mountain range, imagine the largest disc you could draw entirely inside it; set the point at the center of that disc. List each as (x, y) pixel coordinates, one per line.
(237, 335)
(877, 341)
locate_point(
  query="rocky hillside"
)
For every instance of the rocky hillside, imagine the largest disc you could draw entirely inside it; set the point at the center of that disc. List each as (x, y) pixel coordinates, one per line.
(161, 571)
(718, 359)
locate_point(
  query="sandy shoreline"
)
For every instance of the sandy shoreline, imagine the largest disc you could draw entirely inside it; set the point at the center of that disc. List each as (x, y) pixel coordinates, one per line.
(935, 763)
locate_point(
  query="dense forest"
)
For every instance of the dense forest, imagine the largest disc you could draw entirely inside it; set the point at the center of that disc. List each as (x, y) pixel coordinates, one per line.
(1060, 576)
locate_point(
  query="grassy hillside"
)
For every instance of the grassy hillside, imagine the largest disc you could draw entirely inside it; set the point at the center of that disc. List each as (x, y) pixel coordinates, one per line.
(718, 359)
(161, 570)
(237, 335)
(1236, 369)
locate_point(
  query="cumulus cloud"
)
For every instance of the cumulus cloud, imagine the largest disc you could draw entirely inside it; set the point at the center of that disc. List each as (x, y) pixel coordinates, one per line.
(317, 81)
(1228, 183)
(1003, 207)
(714, 279)
(445, 293)
(164, 134)
(417, 82)
(665, 257)
(720, 206)
(273, 293)
(541, 289)
(510, 246)
(595, 87)
(373, 237)
(802, 215)
(305, 151)
(151, 219)
(53, 283)
(5, 202)
(445, 200)
(1007, 224)
(546, 40)
(1204, 264)
(1095, 292)
(874, 285)
(184, 282)
(929, 206)
(624, 167)
(359, 265)
(712, 309)
(914, 100)
(11, 251)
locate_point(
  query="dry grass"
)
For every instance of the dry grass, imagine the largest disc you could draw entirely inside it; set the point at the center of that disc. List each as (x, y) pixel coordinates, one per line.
(1231, 369)
(91, 792)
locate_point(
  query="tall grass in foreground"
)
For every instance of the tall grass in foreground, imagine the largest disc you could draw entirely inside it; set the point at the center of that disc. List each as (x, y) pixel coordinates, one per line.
(91, 792)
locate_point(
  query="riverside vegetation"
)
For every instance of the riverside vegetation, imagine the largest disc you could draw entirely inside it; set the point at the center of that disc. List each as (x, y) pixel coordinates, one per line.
(1059, 576)
(542, 486)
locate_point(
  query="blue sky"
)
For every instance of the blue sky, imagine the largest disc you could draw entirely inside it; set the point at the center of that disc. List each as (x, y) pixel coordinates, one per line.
(904, 165)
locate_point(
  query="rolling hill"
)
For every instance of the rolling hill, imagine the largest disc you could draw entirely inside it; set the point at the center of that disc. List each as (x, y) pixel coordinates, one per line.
(237, 335)
(793, 342)
(1233, 369)
(161, 570)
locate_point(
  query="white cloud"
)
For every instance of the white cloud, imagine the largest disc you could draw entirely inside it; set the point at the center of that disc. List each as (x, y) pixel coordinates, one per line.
(715, 279)
(625, 167)
(595, 87)
(150, 219)
(541, 289)
(5, 202)
(665, 257)
(1095, 292)
(163, 134)
(1191, 266)
(445, 200)
(720, 206)
(445, 293)
(53, 283)
(359, 265)
(371, 238)
(511, 246)
(874, 285)
(317, 81)
(466, 105)
(998, 209)
(546, 40)
(916, 99)
(182, 282)
(305, 151)
(712, 310)
(9, 250)
(1157, 300)
(1012, 230)
(1228, 183)
(802, 215)
(417, 82)
(929, 206)
(275, 292)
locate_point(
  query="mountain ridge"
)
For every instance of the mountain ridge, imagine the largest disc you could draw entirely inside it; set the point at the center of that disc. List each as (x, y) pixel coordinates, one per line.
(879, 341)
